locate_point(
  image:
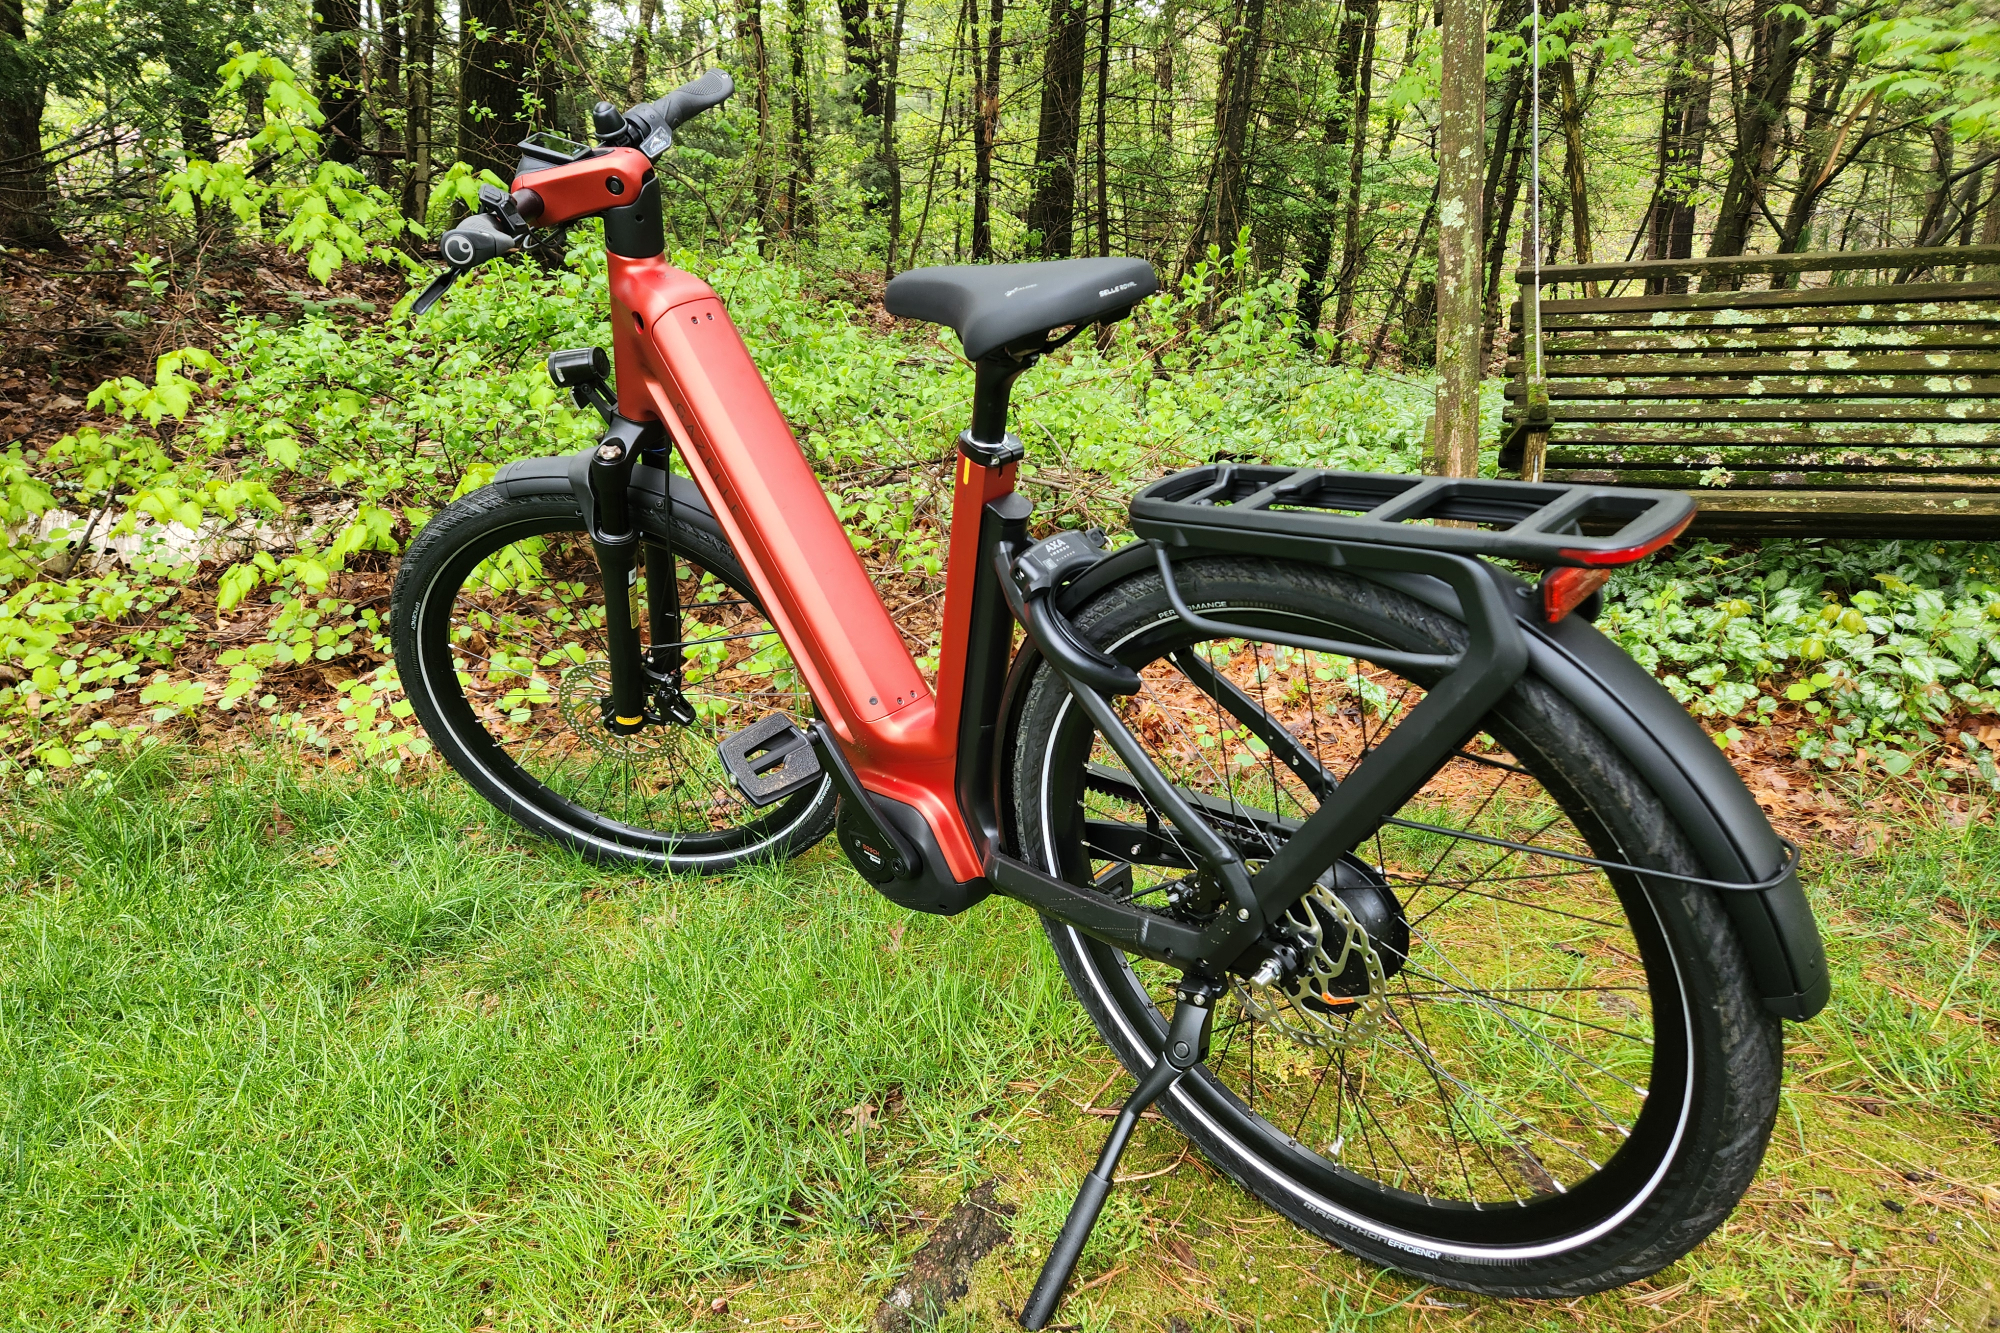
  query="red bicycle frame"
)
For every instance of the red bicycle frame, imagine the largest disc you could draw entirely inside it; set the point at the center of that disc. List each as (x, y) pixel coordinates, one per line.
(680, 361)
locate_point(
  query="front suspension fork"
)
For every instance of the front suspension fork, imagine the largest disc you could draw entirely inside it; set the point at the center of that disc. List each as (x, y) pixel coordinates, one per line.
(637, 677)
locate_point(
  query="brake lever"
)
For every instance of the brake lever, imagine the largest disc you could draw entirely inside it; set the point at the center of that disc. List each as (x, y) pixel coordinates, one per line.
(493, 231)
(433, 293)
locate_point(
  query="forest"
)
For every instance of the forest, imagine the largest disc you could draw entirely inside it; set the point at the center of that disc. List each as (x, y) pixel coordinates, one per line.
(868, 138)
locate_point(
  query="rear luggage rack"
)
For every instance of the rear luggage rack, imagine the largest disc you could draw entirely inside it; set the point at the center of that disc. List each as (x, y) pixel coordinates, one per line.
(1298, 511)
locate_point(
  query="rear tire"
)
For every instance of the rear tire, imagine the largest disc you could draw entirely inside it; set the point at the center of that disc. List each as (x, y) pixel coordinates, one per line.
(1471, 1138)
(498, 616)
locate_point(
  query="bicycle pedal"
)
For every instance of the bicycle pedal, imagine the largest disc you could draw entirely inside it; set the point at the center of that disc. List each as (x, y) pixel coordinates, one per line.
(769, 760)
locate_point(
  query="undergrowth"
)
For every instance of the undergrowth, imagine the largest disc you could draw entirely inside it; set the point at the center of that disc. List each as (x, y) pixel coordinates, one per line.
(221, 546)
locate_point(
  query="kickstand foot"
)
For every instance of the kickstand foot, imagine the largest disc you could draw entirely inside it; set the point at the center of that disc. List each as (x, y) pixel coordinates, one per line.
(1186, 1047)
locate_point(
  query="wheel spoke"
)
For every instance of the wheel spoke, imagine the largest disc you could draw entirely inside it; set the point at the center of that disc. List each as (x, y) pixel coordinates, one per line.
(1491, 1077)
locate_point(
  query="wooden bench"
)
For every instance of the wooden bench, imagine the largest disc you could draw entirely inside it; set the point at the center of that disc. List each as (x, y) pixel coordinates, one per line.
(1861, 407)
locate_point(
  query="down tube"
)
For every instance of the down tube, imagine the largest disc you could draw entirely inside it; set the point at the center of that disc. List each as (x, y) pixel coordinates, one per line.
(764, 493)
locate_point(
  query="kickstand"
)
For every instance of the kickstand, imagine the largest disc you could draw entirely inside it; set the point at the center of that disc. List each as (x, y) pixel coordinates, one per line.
(1186, 1047)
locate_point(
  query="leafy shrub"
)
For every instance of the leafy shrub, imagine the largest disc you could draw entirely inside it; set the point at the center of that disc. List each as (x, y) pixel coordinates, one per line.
(1878, 645)
(252, 486)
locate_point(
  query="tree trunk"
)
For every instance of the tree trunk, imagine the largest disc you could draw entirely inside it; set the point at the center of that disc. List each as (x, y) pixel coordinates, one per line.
(1357, 153)
(1357, 24)
(1412, 328)
(750, 36)
(417, 108)
(1226, 205)
(641, 66)
(495, 63)
(1760, 120)
(25, 194)
(1052, 207)
(1502, 111)
(385, 101)
(1159, 232)
(986, 128)
(799, 216)
(864, 59)
(1103, 135)
(862, 51)
(892, 161)
(1454, 443)
(1417, 25)
(1989, 231)
(1823, 94)
(1938, 197)
(1575, 179)
(1501, 223)
(1683, 141)
(337, 75)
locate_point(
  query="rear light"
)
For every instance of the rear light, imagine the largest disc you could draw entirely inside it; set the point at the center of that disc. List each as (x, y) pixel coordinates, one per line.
(1566, 587)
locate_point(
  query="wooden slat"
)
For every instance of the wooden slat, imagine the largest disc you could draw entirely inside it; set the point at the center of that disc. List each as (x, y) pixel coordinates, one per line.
(1813, 298)
(1941, 315)
(1814, 364)
(1932, 411)
(1910, 438)
(1970, 338)
(1826, 261)
(1570, 452)
(1780, 386)
(1685, 479)
(1935, 516)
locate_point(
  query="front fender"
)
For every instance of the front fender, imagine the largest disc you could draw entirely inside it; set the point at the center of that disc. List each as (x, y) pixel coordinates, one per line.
(651, 486)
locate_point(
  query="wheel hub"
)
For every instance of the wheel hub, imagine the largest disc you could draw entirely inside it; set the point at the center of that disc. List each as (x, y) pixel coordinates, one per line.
(1325, 980)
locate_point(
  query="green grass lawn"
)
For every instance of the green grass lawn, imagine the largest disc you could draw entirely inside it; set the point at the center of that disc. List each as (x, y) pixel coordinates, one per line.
(286, 1048)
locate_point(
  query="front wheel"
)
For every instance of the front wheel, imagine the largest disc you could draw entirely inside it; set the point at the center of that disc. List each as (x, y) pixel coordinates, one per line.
(1501, 1070)
(500, 643)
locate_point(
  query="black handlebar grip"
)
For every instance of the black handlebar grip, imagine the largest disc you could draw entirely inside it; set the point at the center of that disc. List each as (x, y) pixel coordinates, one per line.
(694, 97)
(474, 241)
(651, 125)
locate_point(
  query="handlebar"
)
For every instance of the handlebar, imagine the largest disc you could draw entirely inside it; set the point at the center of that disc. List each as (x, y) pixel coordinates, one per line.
(650, 126)
(503, 219)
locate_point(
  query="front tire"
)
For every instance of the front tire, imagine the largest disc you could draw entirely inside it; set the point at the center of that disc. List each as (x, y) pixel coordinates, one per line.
(1567, 1083)
(499, 641)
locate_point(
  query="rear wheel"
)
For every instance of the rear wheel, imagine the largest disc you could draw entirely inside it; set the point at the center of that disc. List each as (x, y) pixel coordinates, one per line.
(1505, 1070)
(499, 635)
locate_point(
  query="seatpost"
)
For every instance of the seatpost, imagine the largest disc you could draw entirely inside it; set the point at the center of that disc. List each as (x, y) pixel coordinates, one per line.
(987, 441)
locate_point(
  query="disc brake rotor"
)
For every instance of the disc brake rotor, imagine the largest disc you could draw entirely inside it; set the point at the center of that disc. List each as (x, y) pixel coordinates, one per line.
(580, 700)
(1320, 1004)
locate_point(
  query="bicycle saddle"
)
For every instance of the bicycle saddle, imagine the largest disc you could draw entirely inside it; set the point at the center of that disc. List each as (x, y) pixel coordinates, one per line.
(991, 306)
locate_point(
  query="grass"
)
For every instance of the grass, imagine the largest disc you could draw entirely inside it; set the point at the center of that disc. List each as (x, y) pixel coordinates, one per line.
(286, 1048)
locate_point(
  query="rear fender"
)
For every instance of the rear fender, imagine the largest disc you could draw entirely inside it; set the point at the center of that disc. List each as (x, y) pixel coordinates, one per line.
(1727, 830)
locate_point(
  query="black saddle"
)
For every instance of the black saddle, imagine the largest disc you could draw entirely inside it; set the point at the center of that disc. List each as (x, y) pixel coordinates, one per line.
(991, 306)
